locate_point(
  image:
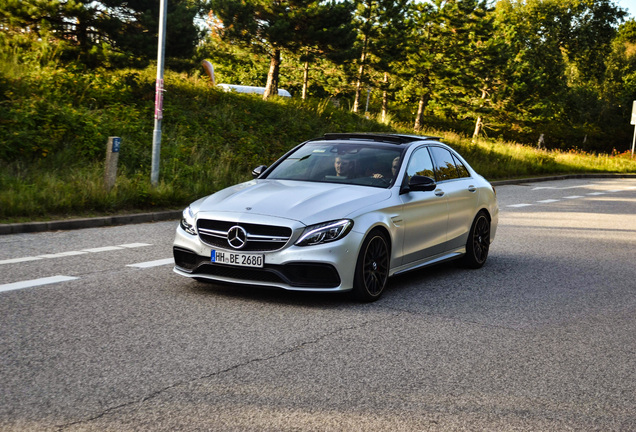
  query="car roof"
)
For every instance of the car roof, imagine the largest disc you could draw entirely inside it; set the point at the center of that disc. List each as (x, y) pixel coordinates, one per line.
(376, 137)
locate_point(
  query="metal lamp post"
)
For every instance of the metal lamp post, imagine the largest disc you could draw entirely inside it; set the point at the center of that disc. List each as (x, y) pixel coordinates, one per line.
(156, 134)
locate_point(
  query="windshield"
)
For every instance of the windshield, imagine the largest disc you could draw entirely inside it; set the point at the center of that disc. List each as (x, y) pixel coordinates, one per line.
(366, 164)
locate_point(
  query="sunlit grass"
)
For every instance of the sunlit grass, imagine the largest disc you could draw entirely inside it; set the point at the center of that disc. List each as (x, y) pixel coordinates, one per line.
(497, 160)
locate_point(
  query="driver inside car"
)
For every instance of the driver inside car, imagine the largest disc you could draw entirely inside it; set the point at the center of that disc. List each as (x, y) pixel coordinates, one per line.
(343, 166)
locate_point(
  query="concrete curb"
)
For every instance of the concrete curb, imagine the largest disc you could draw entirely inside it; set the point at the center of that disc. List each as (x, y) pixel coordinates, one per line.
(71, 224)
(560, 177)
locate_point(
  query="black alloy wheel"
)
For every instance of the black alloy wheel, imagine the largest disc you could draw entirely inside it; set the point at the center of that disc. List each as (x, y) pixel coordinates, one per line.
(478, 242)
(372, 268)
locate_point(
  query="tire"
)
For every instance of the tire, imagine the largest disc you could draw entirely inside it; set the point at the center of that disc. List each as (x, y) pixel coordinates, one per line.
(478, 242)
(372, 268)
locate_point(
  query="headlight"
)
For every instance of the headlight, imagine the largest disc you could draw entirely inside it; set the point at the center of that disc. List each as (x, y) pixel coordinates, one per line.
(325, 232)
(187, 222)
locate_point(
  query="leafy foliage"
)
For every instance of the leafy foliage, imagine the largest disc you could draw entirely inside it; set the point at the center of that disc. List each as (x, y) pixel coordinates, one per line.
(73, 72)
(92, 30)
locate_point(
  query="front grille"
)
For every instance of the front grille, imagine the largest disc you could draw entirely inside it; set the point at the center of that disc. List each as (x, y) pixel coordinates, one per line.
(260, 238)
(302, 275)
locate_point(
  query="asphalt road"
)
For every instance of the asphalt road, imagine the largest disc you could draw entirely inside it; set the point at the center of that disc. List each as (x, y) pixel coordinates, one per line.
(542, 338)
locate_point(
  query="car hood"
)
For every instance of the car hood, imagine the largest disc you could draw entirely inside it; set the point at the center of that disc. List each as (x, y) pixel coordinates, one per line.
(306, 202)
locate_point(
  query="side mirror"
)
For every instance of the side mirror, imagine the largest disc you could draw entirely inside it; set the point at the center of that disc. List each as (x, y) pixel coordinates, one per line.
(421, 184)
(256, 172)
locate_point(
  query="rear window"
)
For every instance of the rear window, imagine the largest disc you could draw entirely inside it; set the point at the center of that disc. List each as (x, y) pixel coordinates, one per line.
(461, 168)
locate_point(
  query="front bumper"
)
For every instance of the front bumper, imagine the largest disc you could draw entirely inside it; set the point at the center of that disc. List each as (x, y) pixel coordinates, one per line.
(325, 267)
(296, 275)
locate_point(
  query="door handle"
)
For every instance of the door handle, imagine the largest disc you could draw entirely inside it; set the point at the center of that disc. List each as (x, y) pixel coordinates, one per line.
(472, 188)
(439, 192)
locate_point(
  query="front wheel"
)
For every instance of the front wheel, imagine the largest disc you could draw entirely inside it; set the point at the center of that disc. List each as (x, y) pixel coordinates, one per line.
(478, 242)
(372, 268)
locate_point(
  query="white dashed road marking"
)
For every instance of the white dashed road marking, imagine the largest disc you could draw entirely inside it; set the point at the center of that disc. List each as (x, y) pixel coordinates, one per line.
(73, 253)
(62, 254)
(135, 245)
(57, 279)
(549, 201)
(155, 263)
(19, 260)
(102, 249)
(561, 188)
(35, 282)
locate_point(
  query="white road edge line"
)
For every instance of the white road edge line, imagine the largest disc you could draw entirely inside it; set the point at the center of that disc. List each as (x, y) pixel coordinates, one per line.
(35, 282)
(155, 263)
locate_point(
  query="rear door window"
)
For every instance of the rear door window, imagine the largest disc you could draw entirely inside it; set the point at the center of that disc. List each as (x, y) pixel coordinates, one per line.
(445, 168)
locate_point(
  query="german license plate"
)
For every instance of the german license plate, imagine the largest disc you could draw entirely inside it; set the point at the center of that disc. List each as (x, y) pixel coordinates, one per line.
(237, 259)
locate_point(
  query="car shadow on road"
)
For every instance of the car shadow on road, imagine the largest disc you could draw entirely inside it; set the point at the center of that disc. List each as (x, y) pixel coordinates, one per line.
(401, 286)
(272, 295)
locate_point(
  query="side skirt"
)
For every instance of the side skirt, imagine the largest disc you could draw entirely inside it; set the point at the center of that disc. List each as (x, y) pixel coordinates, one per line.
(446, 256)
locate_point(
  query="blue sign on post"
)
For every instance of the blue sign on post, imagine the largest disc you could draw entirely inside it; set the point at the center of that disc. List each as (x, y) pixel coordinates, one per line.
(110, 167)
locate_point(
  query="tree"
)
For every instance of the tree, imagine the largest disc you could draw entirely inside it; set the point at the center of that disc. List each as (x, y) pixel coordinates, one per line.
(619, 86)
(388, 52)
(381, 36)
(437, 50)
(483, 73)
(271, 27)
(553, 80)
(126, 26)
(135, 25)
(328, 33)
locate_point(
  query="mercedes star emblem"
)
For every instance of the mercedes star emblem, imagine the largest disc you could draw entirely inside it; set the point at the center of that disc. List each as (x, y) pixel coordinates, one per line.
(237, 237)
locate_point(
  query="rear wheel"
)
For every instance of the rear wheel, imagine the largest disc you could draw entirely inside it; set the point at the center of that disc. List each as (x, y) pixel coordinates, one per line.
(372, 268)
(478, 242)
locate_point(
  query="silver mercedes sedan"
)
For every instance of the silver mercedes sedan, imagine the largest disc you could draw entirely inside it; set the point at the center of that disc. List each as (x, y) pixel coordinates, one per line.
(343, 212)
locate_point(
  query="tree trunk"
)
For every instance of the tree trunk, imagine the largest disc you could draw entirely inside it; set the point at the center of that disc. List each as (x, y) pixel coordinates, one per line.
(480, 121)
(385, 97)
(305, 79)
(81, 33)
(271, 89)
(420, 112)
(363, 60)
(478, 125)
